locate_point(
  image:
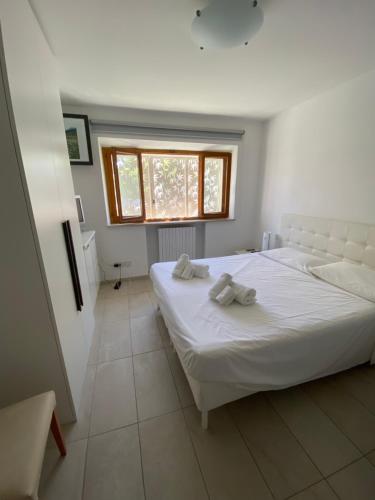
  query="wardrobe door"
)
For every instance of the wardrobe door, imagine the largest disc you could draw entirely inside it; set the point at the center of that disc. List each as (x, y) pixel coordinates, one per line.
(90, 271)
(30, 361)
(37, 111)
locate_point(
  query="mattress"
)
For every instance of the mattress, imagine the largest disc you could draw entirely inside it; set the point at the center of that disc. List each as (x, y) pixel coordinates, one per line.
(301, 328)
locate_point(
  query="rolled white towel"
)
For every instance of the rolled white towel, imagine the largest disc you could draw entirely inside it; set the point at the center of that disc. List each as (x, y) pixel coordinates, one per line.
(246, 302)
(200, 270)
(243, 294)
(226, 296)
(180, 265)
(224, 280)
(188, 272)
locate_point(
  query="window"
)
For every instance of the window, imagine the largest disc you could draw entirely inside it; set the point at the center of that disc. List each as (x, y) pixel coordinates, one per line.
(159, 185)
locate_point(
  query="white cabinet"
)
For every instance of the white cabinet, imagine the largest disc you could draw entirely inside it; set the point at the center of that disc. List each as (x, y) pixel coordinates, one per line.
(92, 264)
(44, 339)
(97, 272)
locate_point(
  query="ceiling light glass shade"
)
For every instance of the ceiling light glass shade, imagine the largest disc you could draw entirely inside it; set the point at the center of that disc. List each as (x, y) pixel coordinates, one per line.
(225, 24)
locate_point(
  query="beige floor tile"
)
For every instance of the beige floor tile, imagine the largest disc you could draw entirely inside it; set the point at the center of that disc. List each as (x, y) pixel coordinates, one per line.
(115, 341)
(155, 390)
(346, 411)
(94, 349)
(140, 304)
(137, 285)
(170, 468)
(114, 396)
(371, 457)
(328, 447)
(320, 491)
(368, 370)
(145, 334)
(163, 330)
(153, 298)
(360, 386)
(182, 384)
(107, 292)
(116, 310)
(113, 468)
(106, 287)
(283, 462)
(229, 470)
(62, 478)
(98, 310)
(81, 428)
(117, 297)
(355, 482)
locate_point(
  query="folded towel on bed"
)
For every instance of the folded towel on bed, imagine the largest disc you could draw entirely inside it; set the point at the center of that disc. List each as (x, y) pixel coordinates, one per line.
(186, 270)
(180, 265)
(224, 280)
(226, 296)
(244, 295)
(225, 290)
(201, 270)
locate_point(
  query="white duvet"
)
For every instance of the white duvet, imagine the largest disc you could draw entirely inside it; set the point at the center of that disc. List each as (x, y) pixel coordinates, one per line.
(301, 328)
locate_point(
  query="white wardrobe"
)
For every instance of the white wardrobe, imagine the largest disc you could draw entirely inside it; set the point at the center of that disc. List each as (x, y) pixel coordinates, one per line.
(44, 340)
(92, 264)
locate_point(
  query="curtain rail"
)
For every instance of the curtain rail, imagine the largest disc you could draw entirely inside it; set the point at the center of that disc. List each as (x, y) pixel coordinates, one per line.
(151, 130)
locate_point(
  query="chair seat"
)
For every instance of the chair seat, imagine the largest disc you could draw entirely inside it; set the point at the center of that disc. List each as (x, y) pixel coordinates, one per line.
(24, 430)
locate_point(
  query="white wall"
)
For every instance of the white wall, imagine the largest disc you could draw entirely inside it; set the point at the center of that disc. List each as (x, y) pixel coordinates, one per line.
(130, 243)
(320, 157)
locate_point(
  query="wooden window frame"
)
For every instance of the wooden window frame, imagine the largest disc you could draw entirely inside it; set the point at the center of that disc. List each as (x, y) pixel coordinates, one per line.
(109, 155)
(227, 163)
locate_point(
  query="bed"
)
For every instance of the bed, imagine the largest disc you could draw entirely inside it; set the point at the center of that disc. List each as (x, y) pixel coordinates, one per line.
(300, 329)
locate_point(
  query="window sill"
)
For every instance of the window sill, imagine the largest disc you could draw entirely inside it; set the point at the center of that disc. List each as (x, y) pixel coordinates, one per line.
(172, 222)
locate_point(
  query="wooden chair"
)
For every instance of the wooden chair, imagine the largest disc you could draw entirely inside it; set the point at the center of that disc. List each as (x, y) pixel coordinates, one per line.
(24, 429)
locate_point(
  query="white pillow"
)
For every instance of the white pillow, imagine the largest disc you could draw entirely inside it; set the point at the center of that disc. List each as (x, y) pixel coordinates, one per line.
(350, 277)
(295, 259)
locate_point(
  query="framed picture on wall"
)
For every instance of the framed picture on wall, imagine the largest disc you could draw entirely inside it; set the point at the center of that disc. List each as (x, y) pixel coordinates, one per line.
(78, 138)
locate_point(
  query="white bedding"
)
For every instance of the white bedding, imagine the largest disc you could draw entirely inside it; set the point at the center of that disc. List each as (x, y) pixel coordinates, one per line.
(294, 258)
(359, 280)
(299, 329)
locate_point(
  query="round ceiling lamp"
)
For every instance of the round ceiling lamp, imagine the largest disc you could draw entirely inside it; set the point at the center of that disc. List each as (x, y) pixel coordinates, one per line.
(225, 24)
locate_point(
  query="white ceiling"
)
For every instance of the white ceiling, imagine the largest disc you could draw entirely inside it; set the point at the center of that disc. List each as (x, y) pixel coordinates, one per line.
(139, 54)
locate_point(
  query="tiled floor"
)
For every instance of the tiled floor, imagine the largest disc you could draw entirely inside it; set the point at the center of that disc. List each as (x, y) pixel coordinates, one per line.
(138, 435)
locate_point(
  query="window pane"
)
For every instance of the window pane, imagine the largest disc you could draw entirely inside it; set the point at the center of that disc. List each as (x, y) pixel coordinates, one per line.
(170, 185)
(213, 185)
(128, 174)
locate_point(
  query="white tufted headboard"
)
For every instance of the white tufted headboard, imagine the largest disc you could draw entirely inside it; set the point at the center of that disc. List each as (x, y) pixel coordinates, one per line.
(332, 239)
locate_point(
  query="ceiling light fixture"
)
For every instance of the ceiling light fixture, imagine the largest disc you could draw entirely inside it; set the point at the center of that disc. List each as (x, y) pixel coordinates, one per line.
(225, 24)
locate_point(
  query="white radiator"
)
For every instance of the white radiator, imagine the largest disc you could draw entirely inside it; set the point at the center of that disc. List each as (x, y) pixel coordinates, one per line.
(174, 241)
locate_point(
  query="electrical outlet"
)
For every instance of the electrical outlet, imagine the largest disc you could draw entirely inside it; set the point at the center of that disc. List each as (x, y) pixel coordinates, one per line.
(125, 263)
